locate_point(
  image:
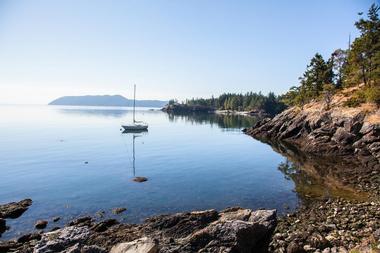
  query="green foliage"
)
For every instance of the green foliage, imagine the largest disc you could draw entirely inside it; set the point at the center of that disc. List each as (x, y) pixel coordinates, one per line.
(172, 101)
(271, 103)
(358, 64)
(363, 64)
(317, 74)
(368, 94)
(372, 95)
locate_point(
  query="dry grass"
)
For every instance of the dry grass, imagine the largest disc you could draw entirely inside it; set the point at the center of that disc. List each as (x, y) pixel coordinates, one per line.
(374, 118)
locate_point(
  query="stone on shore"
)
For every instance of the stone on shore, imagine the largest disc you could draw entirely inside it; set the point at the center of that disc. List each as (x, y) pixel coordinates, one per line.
(104, 225)
(82, 221)
(14, 210)
(62, 239)
(141, 245)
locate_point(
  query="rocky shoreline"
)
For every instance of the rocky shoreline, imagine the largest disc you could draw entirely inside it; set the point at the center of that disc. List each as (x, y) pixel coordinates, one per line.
(231, 230)
(339, 148)
(319, 225)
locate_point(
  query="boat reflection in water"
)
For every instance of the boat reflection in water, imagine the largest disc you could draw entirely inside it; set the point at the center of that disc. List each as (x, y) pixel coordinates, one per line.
(135, 134)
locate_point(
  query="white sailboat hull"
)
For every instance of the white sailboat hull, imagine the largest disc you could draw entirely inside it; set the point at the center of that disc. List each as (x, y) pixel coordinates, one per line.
(135, 127)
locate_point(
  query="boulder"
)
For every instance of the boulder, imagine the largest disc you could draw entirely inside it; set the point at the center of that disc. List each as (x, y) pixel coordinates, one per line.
(232, 235)
(141, 245)
(61, 239)
(41, 224)
(14, 210)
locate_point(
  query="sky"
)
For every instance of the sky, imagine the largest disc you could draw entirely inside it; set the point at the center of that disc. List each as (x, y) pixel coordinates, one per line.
(168, 48)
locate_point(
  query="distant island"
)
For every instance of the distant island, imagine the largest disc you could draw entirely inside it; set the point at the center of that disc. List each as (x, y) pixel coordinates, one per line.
(105, 100)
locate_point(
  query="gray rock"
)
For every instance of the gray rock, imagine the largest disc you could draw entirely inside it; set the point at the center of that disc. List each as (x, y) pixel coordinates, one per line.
(141, 245)
(61, 239)
(233, 235)
(14, 209)
(77, 248)
(235, 214)
(266, 218)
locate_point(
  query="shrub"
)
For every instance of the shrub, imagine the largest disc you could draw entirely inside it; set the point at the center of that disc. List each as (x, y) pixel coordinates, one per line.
(372, 95)
(357, 99)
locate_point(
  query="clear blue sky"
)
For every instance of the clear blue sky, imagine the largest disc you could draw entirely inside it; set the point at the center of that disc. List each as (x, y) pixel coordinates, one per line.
(170, 49)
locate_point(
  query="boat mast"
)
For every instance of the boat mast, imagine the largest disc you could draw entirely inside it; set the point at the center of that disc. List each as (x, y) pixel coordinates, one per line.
(134, 102)
(134, 158)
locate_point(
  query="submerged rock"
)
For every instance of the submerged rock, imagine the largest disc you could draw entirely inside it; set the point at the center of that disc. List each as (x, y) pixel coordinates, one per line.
(140, 179)
(119, 210)
(41, 224)
(14, 210)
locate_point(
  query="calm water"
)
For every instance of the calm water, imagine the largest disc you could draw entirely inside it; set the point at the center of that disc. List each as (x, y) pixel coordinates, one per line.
(191, 163)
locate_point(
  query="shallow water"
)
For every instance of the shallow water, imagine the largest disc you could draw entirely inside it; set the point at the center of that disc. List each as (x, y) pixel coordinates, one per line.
(74, 161)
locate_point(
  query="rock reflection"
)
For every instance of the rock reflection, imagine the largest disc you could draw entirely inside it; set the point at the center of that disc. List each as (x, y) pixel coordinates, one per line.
(321, 177)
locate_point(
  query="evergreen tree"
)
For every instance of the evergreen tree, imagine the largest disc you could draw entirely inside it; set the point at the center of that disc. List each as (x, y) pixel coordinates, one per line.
(364, 55)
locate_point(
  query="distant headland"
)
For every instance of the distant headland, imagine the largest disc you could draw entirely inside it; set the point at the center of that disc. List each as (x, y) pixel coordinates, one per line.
(105, 100)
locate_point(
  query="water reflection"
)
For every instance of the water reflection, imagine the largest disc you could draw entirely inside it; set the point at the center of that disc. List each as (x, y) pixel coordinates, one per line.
(135, 134)
(227, 122)
(114, 113)
(318, 177)
(96, 111)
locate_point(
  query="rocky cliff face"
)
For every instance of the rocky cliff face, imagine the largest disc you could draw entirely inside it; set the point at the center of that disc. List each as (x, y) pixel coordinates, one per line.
(339, 131)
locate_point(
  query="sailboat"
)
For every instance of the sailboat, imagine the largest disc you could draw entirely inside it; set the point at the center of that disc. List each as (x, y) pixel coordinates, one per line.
(135, 125)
